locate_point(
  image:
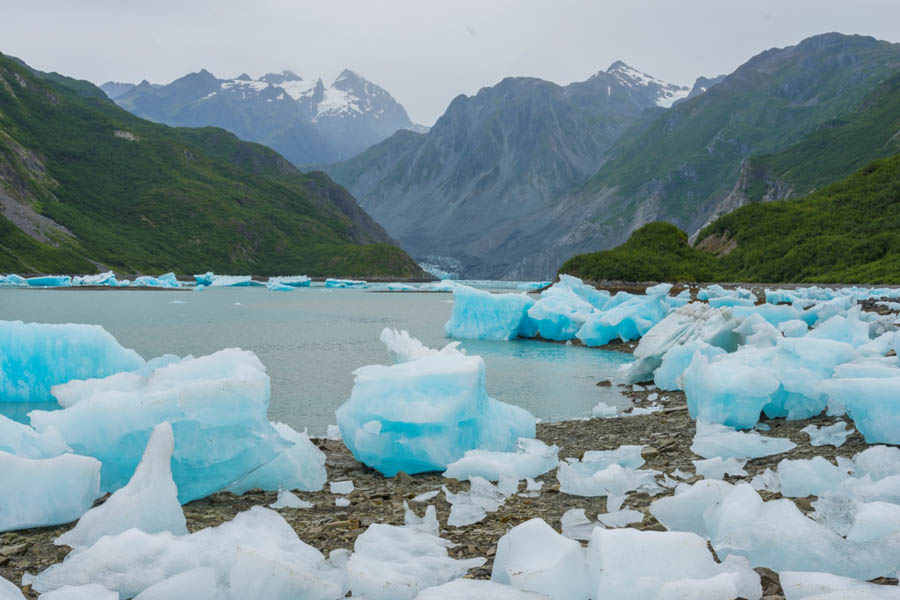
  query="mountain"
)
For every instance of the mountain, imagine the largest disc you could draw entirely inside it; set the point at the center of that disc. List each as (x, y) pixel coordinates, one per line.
(302, 119)
(680, 167)
(848, 232)
(470, 193)
(85, 184)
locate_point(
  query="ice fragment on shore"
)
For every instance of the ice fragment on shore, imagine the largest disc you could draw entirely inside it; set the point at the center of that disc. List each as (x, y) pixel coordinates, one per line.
(481, 315)
(872, 403)
(576, 526)
(288, 499)
(345, 283)
(196, 584)
(711, 440)
(470, 589)
(604, 411)
(90, 591)
(148, 502)
(564, 307)
(341, 487)
(427, 523)
(531, 459)
(473, 505)
(426, 496)
(808, 585)
(584, 478)
(24, 441)
(9, 591)
(809, 477)
(717, 468)
(620, 518)
(300, 466)
(292, 280)
(333, 433)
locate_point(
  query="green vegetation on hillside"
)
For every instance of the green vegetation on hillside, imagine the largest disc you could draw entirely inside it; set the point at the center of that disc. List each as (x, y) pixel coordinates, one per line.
(141, 197)
(848, 232)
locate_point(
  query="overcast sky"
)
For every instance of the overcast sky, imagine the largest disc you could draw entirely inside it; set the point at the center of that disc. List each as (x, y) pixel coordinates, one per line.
(424, 52)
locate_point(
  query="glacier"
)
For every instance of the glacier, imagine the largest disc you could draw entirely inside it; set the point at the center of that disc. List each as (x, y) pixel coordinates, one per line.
(425, 411)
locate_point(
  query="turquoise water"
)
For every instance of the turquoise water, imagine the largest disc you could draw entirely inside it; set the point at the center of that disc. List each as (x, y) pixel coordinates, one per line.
(312, 339)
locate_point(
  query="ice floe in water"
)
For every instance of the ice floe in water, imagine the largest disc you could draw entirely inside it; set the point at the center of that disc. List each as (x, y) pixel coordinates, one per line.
(481, 315)
(425, 413)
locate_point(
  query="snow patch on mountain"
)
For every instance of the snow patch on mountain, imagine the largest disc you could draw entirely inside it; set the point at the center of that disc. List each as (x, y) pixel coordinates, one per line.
(667, 93)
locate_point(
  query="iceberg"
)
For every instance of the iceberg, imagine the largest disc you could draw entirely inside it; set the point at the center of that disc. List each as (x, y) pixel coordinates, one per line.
(216, 405)
(49, 281)
(677, 359)
(107, 279)
(395, 563)
(37, 356)
(872, 402)
(13, 279)
(711, 440)
(205, 279)
(234, 281)
(345, 283)
(163, 281)
(30, 489)
(533, 286)
(628, 320)
(564, 307)
(292, 280)
(481, 315)
(425, 412)
(300, 466)
(279, 287)
(532, 458)
(149, 501)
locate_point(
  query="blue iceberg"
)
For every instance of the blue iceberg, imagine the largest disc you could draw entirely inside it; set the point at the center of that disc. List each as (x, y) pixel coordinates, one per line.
(563, 308)
(107, 279)
(345, 283)
(49, 281)
(205, 279)
(37, 356)
(167, 280)
(274, 286)
(426, 411)
(481, 315)
(292, 280)
(629, 320)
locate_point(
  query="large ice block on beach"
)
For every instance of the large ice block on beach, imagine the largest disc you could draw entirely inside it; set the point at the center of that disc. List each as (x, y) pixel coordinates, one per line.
(425, 413)
(686, 509)
(628, 320)
(472, 506)
(809, 477)
(37, 356)
(531, 459)
(205, 279)
(22, 440)
(653, 565)
(292, 280)
(395, 563)
(256, 548)
(300, 466)
(565, 306)
(711, 440)
(677, 359)
(234, 281)
(195, 584)
(533, 557)
(217, 407)
(469, 589)
(8, 591)
(872, 402)
(46, 491)
(481, 315)
(149, 501)
(807, 585)
(585, 478)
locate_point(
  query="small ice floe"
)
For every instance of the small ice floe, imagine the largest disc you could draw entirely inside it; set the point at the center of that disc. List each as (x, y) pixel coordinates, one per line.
(333, 433)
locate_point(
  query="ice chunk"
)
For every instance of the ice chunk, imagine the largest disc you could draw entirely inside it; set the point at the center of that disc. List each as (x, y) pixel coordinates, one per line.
(426, 496)
(196, 584)
(532, 458)
(292, 280)
(432, 410)
(472, 506)
(333, 433)
(651, 565)
(341, 502)
(167, 280)
(288, 499)
(677, 359)
(22, 440)
(37, 356)
(564, 307)
(627, 321)
(234, 281)
(278, 287)
(878, 462)
(872, 403)
(604, 411)
(627, 456)
(300, 466)
(685, 510)
(217, 407)
(395, 563)
(584, 478)
(427, 523)
(49, 281)
(132, 561)
(711, 440)
(149, 501)
(827, 435)
(30, 489)
(874, 520)
(9, 591)
(717, 467)
(620, 518)
(768, 480)
(341, 487)
(90, 591)
(107, 279)
(205, 279)
(576, 526)
(793, 328)
(533, 286)
(533, 557)
(264, 574)
(481, 315)
(345, 283)
(806, 585)
(809, 477)
(469, 589)
(849, 328)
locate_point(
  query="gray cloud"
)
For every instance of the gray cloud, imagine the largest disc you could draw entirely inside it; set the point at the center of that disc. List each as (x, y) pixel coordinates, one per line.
(424, 52)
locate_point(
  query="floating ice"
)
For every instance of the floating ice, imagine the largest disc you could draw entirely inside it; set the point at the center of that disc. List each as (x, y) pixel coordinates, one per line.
(717, 467)
(432, 409)
(292, 280)
(654, 565)
(628, 320)
(14, 279)
(532, 458)
(205, 279)
(300, 466)
(149, 501)
(255, 555)
(444, 285)
(345, 283)
(341, 487)
(481, 315)
(278, 287)
(163, 281)
(217, 407)
(827, 435)
(533, 557)
(30, 489)
(712, 440)
(288, 499)
(49, 281)
(37, 356)
(564, 307)
(533, 286)
(233, 281)
(468, 589)
(395, 563)
(800, 585)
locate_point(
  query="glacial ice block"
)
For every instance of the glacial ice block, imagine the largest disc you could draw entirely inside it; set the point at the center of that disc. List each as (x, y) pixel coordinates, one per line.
(49, 281)
(8, 591)
(425, 413)
(872, 403)
(565, 306)
(533, 557)
(217, 407)
(90, 591)
(107, 279)
(481, 315)
(468, 589)
(234, 281)
(292, 280)
(628, 320)
(278, 287)
(803, 585)
(532, 458)
(149, 501)
(37, 356)
(585, 478)
(827, 435)
(46, 491)
(711, 440)
(677, 359)
(205, 279)
(167, 280)
(395, 563)
(345, 283)
(300, 466)
(22, 440)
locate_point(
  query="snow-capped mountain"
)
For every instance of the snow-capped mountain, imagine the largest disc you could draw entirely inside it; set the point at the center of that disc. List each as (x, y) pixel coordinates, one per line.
(659, 92)
(301, 118)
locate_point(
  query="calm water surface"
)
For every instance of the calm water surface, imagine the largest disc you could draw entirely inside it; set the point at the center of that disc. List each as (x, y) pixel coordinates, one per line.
(312, 339)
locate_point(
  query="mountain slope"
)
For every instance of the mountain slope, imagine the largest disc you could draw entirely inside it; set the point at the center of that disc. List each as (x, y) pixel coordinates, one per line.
(471, 191)
(849, 232)
(85, 183)
(304, 120)
(682, 165)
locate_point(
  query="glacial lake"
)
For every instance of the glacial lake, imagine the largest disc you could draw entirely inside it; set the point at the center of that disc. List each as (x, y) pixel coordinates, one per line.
(312, 339)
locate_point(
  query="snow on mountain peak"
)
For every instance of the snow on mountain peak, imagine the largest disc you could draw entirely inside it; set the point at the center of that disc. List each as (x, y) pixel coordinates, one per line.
(667, 93)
